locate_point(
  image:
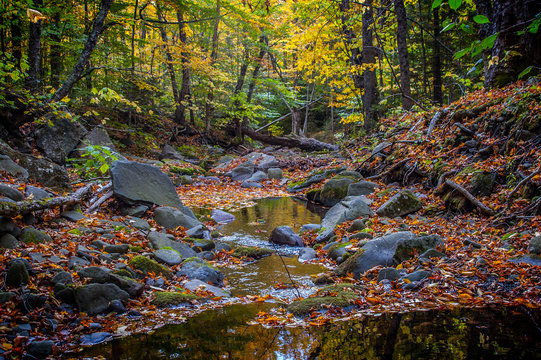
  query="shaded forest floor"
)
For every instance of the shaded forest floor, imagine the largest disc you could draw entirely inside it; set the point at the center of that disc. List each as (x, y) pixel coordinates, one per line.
(488, 143)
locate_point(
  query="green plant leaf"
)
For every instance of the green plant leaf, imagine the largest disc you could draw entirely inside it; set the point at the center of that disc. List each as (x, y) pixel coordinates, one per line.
(525, 72)
(436, 3)
(461, 53)
(488, 42)
(455, 4)
(481, 19)
(104, 168)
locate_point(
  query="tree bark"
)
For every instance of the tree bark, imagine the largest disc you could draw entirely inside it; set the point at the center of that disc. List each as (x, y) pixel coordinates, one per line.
(184, 61)
(403, 57)
(169, 60)
(90, 44)
(55, 59)
(509, 18)
(371, 94)
(209, 107)
(34, 52)
(436, 59)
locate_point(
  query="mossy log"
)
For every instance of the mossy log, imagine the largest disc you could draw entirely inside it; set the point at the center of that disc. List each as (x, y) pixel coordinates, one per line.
(302, 143)
(26, 206)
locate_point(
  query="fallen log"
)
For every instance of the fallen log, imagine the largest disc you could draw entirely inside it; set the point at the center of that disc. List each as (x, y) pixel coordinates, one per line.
(302, 143)
(485, 209)
(26, 206)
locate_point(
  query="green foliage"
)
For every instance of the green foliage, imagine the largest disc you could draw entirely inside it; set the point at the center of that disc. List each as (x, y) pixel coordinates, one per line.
(95, 161)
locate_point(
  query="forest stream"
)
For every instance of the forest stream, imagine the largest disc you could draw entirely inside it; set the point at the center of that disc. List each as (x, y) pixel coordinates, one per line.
(230, 332)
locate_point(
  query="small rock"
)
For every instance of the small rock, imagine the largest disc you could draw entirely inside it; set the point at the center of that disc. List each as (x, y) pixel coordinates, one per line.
(196, 268)
(8, 241)
(432, 253)
(96, 274)
(36, 193)
(116, 306)
(31, 235)
(116, 249)
(95, 298)
(357, 225)
(417, 276)
(473, 243)
(62, 277)
(222, 247)
(206, 255)
(222, 217)
(534, 246)
(138, 223)
(402, 203)
(195, 284)
(76, 261)
(73, 215)
(388, 274)
(40, 349)
(257, 176)
(198, 232)
(166, 256)
(17, 273)
(95, 338)
(284, 235)
(171, 218)
(310, 227)
(361, 188)
(11, 193)
(251, 184)
(307, 253)
(275, 173)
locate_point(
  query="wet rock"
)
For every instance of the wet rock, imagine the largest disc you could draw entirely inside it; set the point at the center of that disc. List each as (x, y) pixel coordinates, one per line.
(222, 217)
(390, 274)
(284, 235)
(40, 349)
(196, 284)
(132, 287)
(222, 247)
(389, 250)
(59, 140)
(11, 167)
(31, 235)
(9, 192)
(135, 182)
(403, 203)
(307, 253)
(257, 176)
(361, 188)
(73, 215)
(36, 193)
(8, 241)
(166, 256)
(171, 218)
(252, 252)
(335, 190)
(201, 244)
(206, 255)
(242, 172)
(337, 251)
(116, 249)
(62, 277)
(76, 262)
(116, 306)
(159, 241)
(196, 268)
(534, 247)
(95, 273)
(275, 173)
(146, 266)
(417, 276)
(95, 338)
(17, 273)
(351, 207)
(198, 232)
(94, 298)
(169, 298)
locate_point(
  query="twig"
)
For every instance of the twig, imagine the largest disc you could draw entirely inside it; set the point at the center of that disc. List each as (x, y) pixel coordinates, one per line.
(287, 270)
(437, 116)
(521, 183)
(470, 197)
(100, 201)
(398, 164)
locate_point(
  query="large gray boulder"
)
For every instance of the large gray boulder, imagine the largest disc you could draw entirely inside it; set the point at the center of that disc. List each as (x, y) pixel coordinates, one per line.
(169, 152)
(388, 250)
(196, 268)
(257, 176)
(94, 298)
(38, 169)
(350, 208)
(170, 218)
(135, 182)
(284, 235)
(59, 140)
(97, 137)
(335, 190)
(242, 172)
(361, 188)
(160, 241)
(403, 203)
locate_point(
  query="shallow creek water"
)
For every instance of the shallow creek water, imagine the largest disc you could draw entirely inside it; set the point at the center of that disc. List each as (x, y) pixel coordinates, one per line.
(225, 333)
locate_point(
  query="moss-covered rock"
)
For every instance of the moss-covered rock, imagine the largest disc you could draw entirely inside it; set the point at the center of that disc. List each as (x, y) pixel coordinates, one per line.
(337, 251)
(30, 235)
(201, 244)
(336, 295)
(483, 183)
(124, 273)
(167, 298)
(335, 189)
(252, 252)
(348, 265)
(146, 265)
(314, 195)
(403, 203)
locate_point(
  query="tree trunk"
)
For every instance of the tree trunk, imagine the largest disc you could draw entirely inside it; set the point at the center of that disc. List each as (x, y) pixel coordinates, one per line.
(90, 44)
(303, 143)
(34, 52)
(403, 57)
(16, 37)
(263, 43)
(133, 36)
(509, 18)
(184, 61)
(423, 51)
(371, 94)
(436, 59)
(55, 59)
(169, 60)
(209, 106)
(349, 40)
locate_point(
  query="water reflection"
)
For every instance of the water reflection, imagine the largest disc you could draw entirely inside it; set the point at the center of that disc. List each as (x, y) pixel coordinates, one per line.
(223, 334)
